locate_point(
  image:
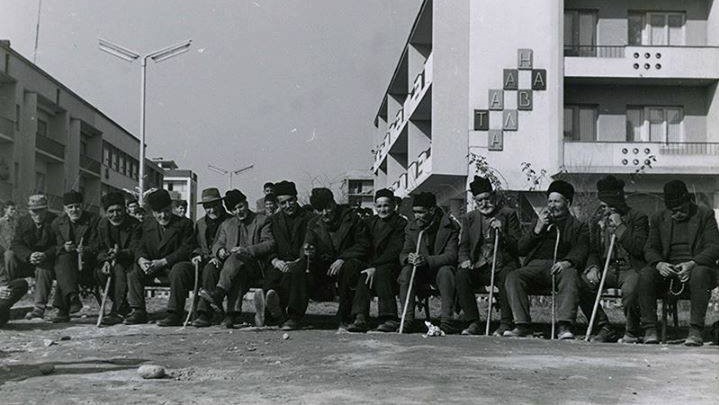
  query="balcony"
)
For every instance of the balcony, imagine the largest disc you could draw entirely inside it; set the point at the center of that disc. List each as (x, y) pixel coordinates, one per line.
(699, 63)
(420, 87)
(90, 164)
(50, 147)
(7, 129)
(416, 174)
(628, 157)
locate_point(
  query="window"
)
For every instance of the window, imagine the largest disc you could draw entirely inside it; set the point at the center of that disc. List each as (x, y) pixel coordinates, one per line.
(580, 123)
(40, 182)
(655, 124)
(41, 128)
(106, 154)
(17, 117)
(123, 164)
(116, 159)
(656, 28)
(580, 28)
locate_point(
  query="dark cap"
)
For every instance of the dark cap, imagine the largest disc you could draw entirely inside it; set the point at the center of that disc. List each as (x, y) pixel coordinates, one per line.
(159, 200)
(71, 197)
(424, 199)
(321, 198)
(675, 194)
(480, 185)
(563, 188)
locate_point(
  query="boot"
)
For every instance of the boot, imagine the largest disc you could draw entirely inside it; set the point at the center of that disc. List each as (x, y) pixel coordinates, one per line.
(136, 317)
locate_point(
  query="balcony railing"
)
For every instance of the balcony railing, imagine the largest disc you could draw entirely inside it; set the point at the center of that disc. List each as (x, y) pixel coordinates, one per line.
(50, 146)
(7, 127)
(89, 164)
(595, 51)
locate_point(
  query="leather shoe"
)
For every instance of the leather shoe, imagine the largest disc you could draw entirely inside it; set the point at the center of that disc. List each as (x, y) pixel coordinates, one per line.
(388, 326)
(36, 313)
(136, 317)
(75, 304)
(171, 319)
(694, 338)
(500, 331)
(519, 331)
(61, 317)
(472, 329)
(111, 319)
(650, 337)
(202, 321)
(448, 327)
(359, 325)
(291, 324)
(564, 332)
(606, 334)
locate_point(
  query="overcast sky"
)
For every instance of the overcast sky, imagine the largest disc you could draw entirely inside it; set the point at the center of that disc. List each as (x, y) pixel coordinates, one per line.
(291, 86)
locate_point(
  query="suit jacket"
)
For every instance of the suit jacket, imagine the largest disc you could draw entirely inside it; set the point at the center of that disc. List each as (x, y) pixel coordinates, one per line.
(471, 236)
(445, 243)
(573, 242)
(261, 241)
(289, 242)
(176, 245)
(7, 231)
(387, 239)
(25, 242)
(85, 230)
(702, 232)
(352, 234)
(203, 247)
(130, 233)
(631, 235)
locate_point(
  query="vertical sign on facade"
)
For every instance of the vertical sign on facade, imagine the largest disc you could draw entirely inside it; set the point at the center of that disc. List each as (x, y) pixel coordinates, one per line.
(510, 79)
(481, 120)
(495, 140)
(524, 100)
(524, 59)
(539, 79)
(509, 120)
(496, 99)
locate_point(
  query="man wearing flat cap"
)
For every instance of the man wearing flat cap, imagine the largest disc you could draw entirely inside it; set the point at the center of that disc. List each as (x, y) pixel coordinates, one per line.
(630, 228)
(75, 233)
(545, 257)
(386, 231)
(476, 251)
(435, 261)
(206, 229)
(337, 245)
(163, 251)
(285, 280)
(117, 233)
(32, 252)
(682, 253)
(243, 244)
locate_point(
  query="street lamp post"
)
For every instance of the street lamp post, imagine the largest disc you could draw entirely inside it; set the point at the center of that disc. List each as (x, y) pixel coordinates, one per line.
(157, 56)
(229, 173)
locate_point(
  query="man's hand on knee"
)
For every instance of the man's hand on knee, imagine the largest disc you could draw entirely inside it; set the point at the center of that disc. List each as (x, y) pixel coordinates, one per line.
(335, 267)
(684, 270)
(559, 267)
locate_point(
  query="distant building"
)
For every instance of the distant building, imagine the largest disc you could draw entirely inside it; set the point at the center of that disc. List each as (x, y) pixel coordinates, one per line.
(576, 88)
(52, 140)
(357, 190)
(181, 181)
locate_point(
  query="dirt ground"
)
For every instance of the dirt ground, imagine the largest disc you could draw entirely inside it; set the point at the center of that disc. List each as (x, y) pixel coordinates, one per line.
(250, 365)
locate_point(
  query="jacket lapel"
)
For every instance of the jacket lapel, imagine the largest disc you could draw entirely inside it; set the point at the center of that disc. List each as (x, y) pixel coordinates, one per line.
(169, 234)
(385, 229)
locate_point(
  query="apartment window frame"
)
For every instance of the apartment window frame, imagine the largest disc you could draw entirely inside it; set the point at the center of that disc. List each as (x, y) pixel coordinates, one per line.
(647, 29)
(646, 113)
(106, 154)
(42, 128)
(17, 117)
(576, 135)
(576, 47)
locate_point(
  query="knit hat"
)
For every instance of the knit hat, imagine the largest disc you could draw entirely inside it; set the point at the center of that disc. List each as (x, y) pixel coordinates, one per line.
(112, 198)
(424, 199)
(384, 192)
(284, 188)
(71, 197)
(563, 188)
(675, 194)
(234, 197)
(159, 200)
(321, 198)
(480, 185)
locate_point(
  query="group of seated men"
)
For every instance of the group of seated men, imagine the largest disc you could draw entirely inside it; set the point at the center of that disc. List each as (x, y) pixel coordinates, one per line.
(294, 255)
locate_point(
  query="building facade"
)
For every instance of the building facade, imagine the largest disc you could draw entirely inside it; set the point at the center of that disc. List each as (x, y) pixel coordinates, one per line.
(357, 189)
(544, 89)
(53, 141)
(181, 181)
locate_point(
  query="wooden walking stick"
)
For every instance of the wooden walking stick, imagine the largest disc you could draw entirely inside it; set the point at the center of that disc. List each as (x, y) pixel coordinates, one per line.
(194, 295)
(411, 282)
(491, 282)
(601, 287)
(107, 289)
(554, 284)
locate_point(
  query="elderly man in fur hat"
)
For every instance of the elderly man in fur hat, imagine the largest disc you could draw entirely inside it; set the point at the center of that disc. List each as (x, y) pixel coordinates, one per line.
(75, 233)
(206, 229)
(114, 245)
(545, 257)
(286, 280)
(386, 230)
(682, 253)
(476, 249)
(630, 228)
(164, 251)
(337, 245)
(435, 263)
(243, 244)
